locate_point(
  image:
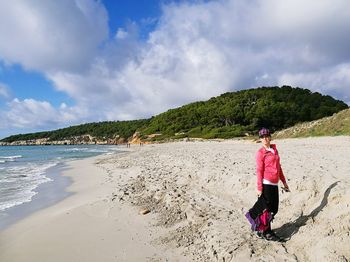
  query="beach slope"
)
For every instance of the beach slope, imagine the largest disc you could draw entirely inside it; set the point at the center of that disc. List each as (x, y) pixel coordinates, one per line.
(87, 226)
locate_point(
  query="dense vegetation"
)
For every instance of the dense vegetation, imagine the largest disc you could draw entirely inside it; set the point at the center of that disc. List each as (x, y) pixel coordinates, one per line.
(102, 130)
(228, 115)
(234, 114)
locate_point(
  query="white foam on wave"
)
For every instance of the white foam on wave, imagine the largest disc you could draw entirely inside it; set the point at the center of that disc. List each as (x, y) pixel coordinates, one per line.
(19, 183)
(76, 149)
(4, 159)
(96, 151)
(19, 180)
(10, 157)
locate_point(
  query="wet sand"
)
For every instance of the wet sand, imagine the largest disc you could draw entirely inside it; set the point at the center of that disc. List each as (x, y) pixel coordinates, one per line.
(48, 194)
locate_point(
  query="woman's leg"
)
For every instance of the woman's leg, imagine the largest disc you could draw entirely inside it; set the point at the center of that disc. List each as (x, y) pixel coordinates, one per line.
(270, 194)
(272, 199)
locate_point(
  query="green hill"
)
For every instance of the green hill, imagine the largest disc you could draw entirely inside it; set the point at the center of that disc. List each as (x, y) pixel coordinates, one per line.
(237, 113)
(229, 115)
(338, 124)
(102, 130)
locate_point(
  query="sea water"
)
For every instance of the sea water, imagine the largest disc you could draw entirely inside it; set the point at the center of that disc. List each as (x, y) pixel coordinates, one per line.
(24, 168)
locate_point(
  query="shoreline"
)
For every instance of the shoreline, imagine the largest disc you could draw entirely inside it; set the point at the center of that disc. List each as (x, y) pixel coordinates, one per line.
(47, 194)
(195, 195)
(85, 226)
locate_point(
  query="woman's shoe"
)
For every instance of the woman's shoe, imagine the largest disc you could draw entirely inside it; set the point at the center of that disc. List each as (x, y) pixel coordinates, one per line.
(259, 234)
(271, 236)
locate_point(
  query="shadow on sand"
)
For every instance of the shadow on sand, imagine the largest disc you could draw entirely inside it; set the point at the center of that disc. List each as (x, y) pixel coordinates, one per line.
(288, 230)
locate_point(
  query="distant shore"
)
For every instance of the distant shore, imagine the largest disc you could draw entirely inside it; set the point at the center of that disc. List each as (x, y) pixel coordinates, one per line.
(186, 201)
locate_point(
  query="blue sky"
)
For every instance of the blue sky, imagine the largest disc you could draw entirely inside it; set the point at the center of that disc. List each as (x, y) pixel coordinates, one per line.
(75, 61)
(143, 12)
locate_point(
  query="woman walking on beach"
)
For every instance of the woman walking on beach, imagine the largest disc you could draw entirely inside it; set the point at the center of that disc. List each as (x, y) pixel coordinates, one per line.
(269, 172)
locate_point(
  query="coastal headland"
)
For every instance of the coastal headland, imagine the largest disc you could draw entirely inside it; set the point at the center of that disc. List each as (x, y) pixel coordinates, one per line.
(186, 201)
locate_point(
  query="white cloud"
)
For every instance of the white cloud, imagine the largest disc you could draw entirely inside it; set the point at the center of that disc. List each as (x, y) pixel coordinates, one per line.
(51, 35)
(196, 51)
(121, 34)
(4, 91)
(334, 80)
(29, 113)
(202, 50)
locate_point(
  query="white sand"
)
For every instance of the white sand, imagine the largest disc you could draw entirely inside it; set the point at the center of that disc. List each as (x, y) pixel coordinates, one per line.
(87, 226)
(197, 193)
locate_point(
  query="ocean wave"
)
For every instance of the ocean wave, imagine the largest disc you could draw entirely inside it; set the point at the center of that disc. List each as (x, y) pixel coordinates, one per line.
(97, 151)
(10, 157)
(76, 149)
(25, 197)
(18, 184)
(31, 168)
(84, 152)
(28, 166)
(4, 159)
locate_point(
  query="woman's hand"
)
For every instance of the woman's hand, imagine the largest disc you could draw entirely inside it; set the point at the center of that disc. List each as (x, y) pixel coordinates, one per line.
(258, 193)
(286, 187)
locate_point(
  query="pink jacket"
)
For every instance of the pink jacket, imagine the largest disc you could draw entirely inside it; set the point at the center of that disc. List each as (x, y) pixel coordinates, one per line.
(268, 167)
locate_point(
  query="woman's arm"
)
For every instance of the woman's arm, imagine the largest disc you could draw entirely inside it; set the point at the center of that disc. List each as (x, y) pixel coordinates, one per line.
(282, 177)
(259, 171)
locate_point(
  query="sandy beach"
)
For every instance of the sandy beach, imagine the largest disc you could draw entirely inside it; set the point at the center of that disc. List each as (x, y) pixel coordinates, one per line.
(185, 201)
